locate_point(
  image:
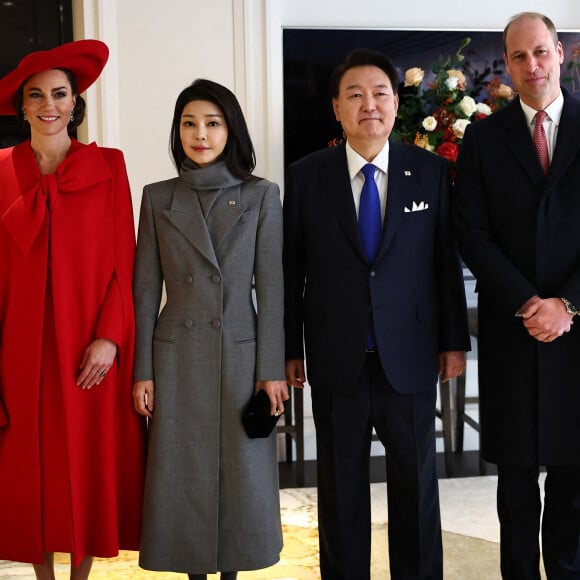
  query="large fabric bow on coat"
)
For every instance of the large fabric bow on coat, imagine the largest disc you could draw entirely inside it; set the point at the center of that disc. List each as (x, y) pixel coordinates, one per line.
(24, 217)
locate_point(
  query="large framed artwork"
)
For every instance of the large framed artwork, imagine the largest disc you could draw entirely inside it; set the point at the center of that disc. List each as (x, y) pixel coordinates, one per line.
(310, 54)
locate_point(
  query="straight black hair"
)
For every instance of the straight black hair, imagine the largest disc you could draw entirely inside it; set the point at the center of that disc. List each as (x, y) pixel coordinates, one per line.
(238, 155)
(363, 57)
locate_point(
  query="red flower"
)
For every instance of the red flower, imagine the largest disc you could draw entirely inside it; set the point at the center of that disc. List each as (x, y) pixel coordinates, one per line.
(448, 150)
(445, 120)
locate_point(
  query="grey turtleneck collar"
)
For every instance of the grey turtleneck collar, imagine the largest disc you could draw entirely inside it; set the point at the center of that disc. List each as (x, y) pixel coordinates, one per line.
(214, 176)
(207, 182)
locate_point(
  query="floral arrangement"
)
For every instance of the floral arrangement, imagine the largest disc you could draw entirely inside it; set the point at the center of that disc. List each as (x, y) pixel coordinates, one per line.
(573, 69)
(435, 117)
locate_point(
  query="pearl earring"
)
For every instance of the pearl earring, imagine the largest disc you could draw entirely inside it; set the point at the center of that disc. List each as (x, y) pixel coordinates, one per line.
(72, 116)
(24, 117)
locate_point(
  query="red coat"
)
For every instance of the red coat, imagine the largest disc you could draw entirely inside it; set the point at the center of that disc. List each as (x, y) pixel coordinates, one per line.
(91, 251)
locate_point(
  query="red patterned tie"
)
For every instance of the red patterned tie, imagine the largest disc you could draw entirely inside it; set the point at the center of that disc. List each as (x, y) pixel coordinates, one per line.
(540, 141)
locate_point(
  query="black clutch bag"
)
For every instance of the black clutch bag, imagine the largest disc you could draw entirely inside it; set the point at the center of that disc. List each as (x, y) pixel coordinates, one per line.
(256, 417)
(4, 422)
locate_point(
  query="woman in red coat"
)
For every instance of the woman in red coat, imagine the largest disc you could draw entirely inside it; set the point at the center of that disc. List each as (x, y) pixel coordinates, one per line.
(72, 454)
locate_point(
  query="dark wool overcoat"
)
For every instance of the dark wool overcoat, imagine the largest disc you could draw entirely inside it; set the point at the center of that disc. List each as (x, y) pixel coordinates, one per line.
(519, 233)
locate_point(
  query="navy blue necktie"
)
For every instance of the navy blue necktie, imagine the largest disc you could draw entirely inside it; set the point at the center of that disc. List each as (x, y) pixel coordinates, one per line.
(369, 213)
(370, 225)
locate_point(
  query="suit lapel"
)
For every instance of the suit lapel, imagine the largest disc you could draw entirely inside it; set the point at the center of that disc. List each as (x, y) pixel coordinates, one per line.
(397, 186)
(187, 217)
(335, 181)
(339, 196)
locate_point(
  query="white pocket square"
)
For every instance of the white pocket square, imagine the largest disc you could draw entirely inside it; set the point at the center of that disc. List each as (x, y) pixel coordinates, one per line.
(421, 206)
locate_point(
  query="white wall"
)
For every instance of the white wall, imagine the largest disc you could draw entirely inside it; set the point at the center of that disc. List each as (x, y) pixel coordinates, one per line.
(156, 50)
(159, 48)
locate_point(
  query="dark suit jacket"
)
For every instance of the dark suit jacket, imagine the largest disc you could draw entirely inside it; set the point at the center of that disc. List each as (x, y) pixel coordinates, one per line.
(414, 290)
(519, 233)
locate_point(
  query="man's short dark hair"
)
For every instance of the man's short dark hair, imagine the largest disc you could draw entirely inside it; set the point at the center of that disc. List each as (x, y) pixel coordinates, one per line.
(363, 57)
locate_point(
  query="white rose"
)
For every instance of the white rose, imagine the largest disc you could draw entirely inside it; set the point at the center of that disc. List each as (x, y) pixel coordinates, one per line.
(461, 81)
(429, 123)
(451, 83)
(483, 109)
(459, 127)
(468, 106)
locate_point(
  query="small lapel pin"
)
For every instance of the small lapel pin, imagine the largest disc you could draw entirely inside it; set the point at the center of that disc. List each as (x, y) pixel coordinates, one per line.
(407, 172)
(232, 202)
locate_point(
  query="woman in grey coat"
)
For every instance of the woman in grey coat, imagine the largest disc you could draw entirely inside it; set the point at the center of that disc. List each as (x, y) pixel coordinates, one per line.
(213, 237)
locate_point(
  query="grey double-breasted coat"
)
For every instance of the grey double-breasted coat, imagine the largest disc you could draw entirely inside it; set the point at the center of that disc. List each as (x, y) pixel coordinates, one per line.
(211, 494)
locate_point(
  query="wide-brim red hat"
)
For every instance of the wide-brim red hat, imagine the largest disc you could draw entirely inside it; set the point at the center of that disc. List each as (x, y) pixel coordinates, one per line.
(84, 58)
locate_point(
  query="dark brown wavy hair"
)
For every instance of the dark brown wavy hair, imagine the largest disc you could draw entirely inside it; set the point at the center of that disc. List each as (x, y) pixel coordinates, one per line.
(78, 111)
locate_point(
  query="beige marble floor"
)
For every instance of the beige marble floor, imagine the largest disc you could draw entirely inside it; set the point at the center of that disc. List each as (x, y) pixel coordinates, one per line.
(470, 539)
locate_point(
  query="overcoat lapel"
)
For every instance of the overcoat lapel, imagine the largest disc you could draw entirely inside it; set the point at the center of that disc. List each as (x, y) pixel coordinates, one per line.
(225, 213)
(522, 145)
(187, 217)
(518, 139)
(567, 143)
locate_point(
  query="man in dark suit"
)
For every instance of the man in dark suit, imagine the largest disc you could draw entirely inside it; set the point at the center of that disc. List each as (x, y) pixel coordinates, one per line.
(518, 215)
(378, 323)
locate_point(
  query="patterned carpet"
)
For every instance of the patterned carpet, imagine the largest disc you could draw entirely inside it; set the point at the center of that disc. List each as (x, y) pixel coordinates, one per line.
(470, 539)
(299, 561)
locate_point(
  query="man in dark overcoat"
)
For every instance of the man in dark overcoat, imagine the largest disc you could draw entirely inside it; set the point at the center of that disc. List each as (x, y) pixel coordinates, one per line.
(378, 328)
(518, 214)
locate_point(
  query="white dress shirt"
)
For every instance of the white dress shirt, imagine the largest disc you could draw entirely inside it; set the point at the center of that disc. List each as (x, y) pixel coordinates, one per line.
(551, 121)
(355, 163)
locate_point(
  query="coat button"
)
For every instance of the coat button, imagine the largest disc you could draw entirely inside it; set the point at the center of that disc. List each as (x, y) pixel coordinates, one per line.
(216, 278)
(216, 323)
(189, 279)
(188, 323)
